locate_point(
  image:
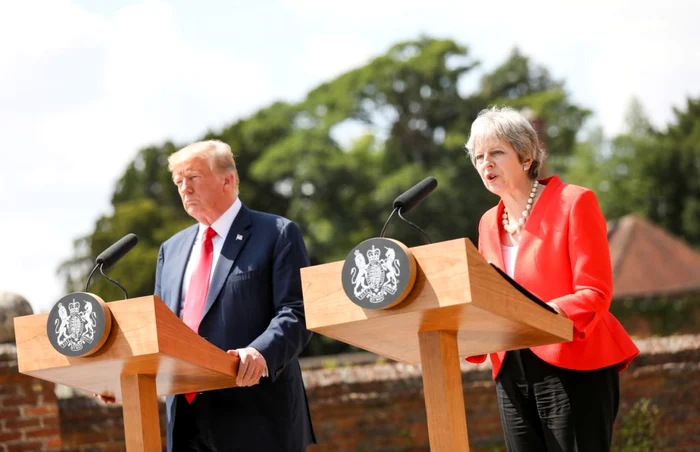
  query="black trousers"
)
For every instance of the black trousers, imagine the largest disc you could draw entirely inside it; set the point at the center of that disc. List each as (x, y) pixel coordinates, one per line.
(547, 408)
(190, 432)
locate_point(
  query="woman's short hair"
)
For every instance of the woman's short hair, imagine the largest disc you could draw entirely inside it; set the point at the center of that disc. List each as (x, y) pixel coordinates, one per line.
(216, 152)
(506, 123)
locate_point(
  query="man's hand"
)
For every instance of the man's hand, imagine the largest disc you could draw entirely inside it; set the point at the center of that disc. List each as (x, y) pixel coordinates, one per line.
(106, 398)
(251, 367)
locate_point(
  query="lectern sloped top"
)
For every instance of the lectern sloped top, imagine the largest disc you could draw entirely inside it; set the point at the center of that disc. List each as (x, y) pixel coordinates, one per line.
(455, 290)
(146, 339)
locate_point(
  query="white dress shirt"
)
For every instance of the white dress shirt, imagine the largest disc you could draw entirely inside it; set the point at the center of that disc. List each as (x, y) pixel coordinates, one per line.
(509, 255)
(222, 225)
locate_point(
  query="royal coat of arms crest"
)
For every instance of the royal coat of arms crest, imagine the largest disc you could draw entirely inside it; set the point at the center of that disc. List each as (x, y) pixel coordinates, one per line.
(75, 327)
(375, 277)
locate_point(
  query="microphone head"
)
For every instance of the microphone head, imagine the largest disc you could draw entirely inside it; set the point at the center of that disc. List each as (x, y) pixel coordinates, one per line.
(409, 199)
(115, 252)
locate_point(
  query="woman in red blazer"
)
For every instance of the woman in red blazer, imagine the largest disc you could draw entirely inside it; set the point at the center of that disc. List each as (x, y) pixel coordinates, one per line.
(551, 238)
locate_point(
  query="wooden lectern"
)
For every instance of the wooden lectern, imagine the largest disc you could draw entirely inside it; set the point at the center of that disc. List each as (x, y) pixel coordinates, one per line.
(459, 306)
(149, 352)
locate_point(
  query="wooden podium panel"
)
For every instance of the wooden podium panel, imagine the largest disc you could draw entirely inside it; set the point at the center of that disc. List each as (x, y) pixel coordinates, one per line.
(456, 290)
(459, 306)
(146, 339)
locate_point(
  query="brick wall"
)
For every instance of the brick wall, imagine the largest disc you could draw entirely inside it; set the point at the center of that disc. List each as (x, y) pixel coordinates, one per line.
(361, 404)
(90, 426)
(29, 416)
(380, 406)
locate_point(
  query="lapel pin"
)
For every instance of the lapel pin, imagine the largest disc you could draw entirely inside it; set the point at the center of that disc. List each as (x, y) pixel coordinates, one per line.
(239, 237)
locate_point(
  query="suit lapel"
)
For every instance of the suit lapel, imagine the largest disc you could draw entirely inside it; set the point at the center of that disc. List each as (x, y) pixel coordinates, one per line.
(233, 244)
(494, 238)
(182, 255)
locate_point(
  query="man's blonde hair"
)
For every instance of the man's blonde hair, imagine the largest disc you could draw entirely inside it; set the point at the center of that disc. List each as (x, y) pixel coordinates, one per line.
(216, 152)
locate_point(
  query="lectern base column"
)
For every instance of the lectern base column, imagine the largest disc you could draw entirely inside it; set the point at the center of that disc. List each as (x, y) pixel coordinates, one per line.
(444, 396)
(141, 417)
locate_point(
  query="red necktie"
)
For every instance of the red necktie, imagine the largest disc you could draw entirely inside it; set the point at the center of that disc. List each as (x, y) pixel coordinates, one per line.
(199, 286)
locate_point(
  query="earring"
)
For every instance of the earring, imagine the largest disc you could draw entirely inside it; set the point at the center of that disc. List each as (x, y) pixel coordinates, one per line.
(525, 167)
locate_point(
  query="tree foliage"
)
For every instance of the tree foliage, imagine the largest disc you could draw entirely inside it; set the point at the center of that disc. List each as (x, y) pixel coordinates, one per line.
(647, 171)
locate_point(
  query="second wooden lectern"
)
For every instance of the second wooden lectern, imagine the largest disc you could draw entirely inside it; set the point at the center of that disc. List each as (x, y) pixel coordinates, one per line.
(459, 306)
(149, 352)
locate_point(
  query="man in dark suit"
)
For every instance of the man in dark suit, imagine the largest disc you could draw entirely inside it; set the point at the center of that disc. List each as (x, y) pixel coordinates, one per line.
(234, 277)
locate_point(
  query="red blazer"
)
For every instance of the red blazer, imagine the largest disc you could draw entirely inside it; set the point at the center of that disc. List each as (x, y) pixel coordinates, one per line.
(564, 257)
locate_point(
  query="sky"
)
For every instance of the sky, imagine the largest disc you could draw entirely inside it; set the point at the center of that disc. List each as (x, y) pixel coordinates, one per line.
(84, 85)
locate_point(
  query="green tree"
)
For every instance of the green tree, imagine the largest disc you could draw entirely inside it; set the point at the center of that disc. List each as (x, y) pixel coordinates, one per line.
(647, 171)
(677, 204)
(522, 84)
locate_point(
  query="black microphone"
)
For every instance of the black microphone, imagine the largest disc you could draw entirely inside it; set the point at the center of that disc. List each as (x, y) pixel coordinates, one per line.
(409, 199)
(110, 256)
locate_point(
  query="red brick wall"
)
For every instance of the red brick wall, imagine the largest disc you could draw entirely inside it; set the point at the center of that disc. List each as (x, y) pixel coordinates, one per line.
(390, 416)
(371, 407)
(29, 416)
(33, 419)
(672, 382)
(90, 426)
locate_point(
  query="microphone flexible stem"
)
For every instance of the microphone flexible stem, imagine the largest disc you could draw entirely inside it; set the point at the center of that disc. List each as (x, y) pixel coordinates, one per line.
(425, 236)
(87, 284)
(386, 223)
(126, 295)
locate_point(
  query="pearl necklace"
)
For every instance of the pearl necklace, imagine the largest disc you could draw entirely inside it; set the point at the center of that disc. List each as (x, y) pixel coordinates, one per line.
(523, 217)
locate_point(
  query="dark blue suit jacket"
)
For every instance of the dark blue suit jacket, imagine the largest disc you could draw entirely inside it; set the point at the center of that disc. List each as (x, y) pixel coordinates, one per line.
(254, 300)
